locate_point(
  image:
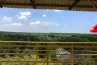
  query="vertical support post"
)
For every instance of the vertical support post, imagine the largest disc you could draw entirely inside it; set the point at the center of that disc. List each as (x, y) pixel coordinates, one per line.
(33, 3)
(47, 51)
(72, 55)
(37, 54)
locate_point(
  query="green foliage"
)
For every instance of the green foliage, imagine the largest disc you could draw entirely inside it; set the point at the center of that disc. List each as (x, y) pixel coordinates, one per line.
(48, 37)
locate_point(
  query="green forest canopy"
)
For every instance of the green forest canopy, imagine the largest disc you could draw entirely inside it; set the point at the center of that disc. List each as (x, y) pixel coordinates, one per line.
(48, 37)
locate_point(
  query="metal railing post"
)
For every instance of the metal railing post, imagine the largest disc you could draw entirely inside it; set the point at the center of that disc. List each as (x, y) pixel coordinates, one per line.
(37, 53)
(47, 51)
(72, 55)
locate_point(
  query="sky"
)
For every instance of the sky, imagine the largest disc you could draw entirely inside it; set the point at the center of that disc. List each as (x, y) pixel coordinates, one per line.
(46, 21)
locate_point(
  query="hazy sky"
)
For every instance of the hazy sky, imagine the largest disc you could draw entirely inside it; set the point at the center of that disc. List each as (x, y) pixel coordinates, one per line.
(59, 21)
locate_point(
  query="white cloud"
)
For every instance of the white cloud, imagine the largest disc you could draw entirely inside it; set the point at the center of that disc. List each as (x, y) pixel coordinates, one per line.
(13, 25)
(39, 24)
(16, 24)
(35, 23)
(65, 25)
(58, 10)
(6, 19)
(24, 15)
(9, 24)
(44, 15)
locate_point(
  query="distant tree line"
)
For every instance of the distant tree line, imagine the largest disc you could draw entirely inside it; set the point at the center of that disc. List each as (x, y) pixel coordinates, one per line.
(48, 37)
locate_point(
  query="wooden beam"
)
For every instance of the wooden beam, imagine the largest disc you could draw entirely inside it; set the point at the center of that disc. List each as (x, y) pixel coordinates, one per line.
(47, 5)
(91, 3)
(1, 6)
(32, 2)
(75, 2)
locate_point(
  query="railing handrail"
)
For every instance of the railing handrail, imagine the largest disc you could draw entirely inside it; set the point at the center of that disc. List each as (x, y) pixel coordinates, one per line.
(76, 52)
(44, 42)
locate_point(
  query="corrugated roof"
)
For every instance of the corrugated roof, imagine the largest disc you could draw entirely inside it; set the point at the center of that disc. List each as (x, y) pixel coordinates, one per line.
(80, 5)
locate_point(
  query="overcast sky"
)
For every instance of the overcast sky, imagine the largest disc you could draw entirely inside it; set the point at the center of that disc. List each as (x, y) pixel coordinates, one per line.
(57, 21)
